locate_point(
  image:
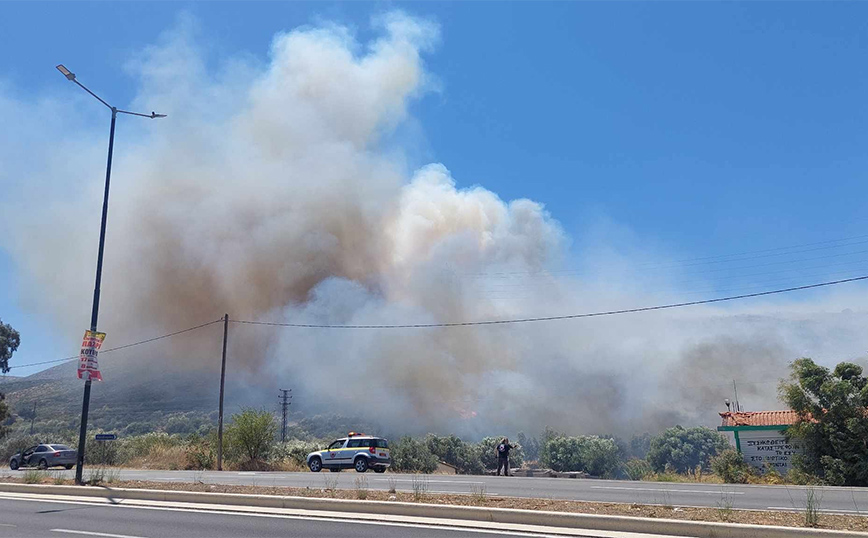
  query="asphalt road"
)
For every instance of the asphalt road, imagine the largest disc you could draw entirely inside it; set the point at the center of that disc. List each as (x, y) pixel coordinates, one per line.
(831, 499)
(23, 519)
(35, 517)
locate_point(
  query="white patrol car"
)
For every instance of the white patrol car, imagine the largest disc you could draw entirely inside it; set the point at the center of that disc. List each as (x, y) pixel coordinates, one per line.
(356, 450)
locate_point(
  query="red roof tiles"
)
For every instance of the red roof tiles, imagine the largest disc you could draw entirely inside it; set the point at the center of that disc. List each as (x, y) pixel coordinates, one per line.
(759, 418)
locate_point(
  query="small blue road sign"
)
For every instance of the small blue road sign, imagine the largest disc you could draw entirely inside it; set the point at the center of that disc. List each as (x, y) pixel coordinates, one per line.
(106, 436)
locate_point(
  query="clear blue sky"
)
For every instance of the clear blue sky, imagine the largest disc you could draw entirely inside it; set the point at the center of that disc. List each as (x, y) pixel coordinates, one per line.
(703, 128)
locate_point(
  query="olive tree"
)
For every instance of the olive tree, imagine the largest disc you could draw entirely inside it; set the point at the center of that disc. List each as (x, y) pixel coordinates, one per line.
(684, 449)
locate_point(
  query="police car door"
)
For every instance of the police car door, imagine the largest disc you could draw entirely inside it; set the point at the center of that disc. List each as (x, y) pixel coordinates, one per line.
(353, 448)
(334, 452)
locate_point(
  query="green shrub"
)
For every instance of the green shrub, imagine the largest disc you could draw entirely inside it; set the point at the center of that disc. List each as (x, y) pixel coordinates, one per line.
(452, 450)
(295, 451)
(199, 453)
(597, 456)
(637, 469)
(13, 444)
(488, 454)
(682, 450)
(102, 452)
(731, 467)
(412, 456)
(249, 436)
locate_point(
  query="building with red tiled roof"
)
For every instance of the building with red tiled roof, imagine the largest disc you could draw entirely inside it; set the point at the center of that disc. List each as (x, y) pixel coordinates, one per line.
(759, 418)
(760, 437)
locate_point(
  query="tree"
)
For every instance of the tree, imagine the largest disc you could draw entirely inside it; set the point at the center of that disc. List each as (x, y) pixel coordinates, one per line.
(410, 455)
(487, 450)
(597, 456)
(250, 435)
(529, 445)
(452, 450)
(682, 450)
(9, 342)
(833, 423)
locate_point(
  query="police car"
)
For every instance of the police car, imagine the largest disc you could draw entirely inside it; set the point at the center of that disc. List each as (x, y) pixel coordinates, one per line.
(355, 451)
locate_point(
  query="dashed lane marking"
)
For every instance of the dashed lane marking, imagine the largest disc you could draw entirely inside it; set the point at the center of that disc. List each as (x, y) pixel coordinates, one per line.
(90, 533)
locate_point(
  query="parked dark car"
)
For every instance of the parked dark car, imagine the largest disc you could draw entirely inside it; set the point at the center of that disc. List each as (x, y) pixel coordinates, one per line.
(44, 456)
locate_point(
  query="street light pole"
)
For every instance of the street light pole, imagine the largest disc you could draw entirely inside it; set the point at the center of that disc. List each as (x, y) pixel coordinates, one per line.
(85, 404)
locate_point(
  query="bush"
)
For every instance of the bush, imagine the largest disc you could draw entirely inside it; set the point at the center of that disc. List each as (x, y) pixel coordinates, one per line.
(487, 451)
(682, 450)
(637, 469)
(101, 452)
(600, 455)
(199, 453)
(594, 455)
(295, 452)
(13, 444)
(731, 467)
(249, 436)
(410, 455)
(454, 451)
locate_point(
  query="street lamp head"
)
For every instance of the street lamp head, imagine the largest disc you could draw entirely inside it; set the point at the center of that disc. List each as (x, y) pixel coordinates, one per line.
(66, 72)
(154, 115)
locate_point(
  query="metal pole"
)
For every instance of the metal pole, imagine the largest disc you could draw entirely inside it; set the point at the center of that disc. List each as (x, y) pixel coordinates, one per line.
(85, 404)
(222, 381)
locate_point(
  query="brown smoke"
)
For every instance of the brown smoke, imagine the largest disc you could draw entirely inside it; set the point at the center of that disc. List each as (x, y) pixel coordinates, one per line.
(271, 194)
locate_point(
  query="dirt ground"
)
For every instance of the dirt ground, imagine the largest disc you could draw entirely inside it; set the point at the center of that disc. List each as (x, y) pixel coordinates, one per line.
(480, 498)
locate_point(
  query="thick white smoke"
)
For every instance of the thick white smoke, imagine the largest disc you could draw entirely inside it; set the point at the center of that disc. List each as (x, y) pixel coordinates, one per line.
(279, 192)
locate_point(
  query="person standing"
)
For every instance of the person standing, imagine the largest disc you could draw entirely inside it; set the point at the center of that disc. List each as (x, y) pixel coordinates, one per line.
(502, 452)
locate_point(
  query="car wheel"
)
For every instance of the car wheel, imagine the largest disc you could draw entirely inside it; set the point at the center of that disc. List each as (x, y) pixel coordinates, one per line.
(13, 465)
(315, 465)
(69, 466)
(361, 465)
(379, 469)
(43, 464)
(335, 469)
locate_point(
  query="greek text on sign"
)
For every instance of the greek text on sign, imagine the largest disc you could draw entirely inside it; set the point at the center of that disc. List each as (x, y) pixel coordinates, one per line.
(88, 367)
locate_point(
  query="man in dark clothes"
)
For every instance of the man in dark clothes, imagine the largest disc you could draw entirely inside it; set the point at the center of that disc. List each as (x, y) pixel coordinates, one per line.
(502, 451)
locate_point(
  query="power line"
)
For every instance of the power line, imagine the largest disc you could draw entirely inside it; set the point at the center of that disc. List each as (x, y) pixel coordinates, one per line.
(125, 346)
(552, 318)
(719, 258)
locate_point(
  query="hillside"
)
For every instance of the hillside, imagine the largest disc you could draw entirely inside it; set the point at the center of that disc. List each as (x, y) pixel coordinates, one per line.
(140, 402)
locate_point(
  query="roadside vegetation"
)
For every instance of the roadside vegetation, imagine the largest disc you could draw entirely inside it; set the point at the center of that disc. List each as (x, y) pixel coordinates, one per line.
(832, 404)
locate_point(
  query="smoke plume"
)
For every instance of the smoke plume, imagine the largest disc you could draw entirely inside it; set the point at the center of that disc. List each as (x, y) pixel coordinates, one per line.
(280, 191)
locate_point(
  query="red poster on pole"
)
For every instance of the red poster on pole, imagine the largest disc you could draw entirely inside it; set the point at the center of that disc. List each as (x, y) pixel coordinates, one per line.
(88, 367)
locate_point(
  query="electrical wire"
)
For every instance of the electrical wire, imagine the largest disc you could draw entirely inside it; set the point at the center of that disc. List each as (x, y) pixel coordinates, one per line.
(719, 258)
(552, 318)
(125, 346)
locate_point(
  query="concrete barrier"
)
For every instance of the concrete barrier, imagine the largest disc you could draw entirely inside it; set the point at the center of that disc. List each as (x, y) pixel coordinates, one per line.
(672, 527)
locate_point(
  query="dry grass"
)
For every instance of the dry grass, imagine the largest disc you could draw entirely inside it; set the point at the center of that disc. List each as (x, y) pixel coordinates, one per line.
(722, 513)
(170, 458)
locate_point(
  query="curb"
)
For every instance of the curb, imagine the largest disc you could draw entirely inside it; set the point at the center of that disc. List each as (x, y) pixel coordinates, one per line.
(672, 527)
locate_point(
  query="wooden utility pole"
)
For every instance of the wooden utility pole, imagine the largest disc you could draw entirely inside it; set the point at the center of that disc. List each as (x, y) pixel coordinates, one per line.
(222, 382)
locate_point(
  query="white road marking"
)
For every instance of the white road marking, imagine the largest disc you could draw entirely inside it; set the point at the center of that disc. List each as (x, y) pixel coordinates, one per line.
(829, 510)
(501, 529)
(429, 481)
(707, 492)
(7, 525)
(88, 533)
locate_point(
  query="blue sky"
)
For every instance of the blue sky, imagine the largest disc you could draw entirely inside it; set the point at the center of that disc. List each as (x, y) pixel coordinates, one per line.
(700, 129)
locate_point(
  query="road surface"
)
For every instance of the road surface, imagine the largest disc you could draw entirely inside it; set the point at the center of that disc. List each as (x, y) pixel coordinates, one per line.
(831, 499)
(37, 516)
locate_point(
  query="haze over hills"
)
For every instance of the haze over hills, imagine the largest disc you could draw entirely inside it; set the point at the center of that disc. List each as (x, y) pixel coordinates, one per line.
(288, 199)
